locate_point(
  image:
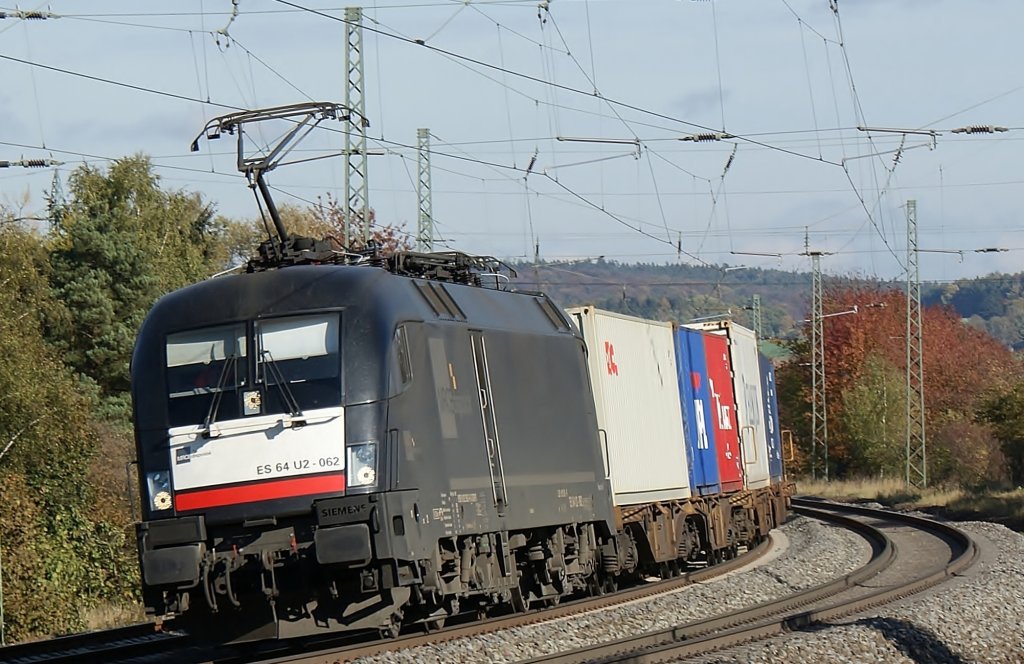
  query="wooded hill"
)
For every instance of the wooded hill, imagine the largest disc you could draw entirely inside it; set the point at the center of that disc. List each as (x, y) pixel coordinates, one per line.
(675, 291)
(994, 303)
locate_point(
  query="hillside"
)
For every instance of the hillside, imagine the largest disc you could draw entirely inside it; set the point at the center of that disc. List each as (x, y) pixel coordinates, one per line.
(993, 303)
(676, 292)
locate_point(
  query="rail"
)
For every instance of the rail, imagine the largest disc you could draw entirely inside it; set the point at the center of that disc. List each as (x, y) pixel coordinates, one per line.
(787, 614)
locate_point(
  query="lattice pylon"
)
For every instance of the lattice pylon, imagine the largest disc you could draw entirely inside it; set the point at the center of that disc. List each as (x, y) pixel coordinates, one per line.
(819, 414)
(917, 460)
(356, 183)
(425, 223)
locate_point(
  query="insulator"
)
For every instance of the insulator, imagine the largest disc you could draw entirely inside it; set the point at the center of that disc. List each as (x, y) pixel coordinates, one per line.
(707, 136)
(34, 163)
(5, 164)
(979, 129)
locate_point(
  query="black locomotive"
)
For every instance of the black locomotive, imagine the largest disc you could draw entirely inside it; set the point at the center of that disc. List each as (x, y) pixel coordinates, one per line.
(347, 446)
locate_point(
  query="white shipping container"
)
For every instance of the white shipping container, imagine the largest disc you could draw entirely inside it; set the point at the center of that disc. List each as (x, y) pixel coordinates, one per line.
(633, 370)
(746, 383)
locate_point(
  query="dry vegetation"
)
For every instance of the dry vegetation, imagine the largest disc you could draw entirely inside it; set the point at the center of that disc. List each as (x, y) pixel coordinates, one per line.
(109, 616)
(1006, 507)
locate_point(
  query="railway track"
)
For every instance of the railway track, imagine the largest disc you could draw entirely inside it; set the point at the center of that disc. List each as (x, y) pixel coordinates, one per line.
(935, 551)
(140, 643)
(346, 653)
(120, 643)
(938, 551)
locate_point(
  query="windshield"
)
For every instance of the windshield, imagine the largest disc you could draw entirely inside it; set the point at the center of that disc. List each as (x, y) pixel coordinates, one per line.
(298, 365)
(201, 364)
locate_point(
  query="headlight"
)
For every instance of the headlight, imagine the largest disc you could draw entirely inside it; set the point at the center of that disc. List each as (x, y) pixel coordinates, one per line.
(158, 485)
(362, 464)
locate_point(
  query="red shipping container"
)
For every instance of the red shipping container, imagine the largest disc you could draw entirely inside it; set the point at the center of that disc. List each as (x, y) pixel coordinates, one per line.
(723, 406)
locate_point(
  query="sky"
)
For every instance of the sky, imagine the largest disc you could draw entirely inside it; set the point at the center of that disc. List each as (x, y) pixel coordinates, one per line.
(501, 85)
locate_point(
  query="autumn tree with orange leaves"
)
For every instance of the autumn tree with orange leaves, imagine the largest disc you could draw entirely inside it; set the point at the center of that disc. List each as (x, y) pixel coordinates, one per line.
(965, 371)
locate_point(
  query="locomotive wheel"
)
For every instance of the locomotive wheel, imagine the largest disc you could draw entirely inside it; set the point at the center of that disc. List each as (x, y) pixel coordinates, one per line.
(434, 625)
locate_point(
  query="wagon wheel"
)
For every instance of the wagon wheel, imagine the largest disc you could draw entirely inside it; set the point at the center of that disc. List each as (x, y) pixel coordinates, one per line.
(519, 603)
(392, 628)
(595, 585)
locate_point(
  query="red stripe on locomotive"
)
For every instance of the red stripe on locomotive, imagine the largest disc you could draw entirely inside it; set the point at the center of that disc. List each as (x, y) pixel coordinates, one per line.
(251, 493)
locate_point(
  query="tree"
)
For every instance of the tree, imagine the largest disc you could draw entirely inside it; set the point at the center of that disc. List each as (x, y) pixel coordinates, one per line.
(58, 557)
(242, 238)
(865, 354)
(874, 419)
(325, 219)
(1004, 411)
(118, 243)
(389, 237)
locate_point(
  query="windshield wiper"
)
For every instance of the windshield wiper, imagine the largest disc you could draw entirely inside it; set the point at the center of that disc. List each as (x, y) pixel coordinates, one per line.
(211, 415)
(286, 393)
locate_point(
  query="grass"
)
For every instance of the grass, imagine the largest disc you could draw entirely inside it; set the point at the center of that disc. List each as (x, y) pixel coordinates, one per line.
(1005, 507)
(108, 616)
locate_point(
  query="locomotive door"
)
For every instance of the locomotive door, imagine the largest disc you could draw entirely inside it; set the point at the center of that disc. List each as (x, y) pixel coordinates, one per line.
(490, 422)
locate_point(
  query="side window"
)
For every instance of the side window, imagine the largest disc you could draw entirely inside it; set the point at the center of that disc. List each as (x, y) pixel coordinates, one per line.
(400, 364)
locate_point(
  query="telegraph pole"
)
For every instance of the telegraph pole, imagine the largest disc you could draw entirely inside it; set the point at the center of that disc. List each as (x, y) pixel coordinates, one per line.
(425, 227)
(917, 467)
(356, 184)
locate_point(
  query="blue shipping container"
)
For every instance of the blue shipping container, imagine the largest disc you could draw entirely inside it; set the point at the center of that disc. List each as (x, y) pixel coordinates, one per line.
(771, 419)
(692, 370)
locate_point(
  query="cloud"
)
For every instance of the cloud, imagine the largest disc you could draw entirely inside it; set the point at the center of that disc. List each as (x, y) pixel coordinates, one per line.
(706, 102)
(14, 129)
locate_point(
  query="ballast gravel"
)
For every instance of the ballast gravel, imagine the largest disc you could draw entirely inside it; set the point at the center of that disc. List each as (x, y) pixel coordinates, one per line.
(974, 618)
(814, 553)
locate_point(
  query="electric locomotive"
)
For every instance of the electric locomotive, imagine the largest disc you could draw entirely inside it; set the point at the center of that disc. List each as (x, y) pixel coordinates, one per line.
(351, 446)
